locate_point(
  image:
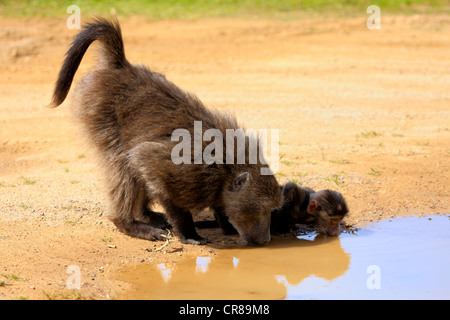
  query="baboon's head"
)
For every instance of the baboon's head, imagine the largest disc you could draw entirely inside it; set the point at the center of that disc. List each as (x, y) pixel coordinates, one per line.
(250, 198)
(329, 208)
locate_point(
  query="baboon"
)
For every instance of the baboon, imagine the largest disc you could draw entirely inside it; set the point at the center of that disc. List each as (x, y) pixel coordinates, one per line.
(130, 113)
(301, 205)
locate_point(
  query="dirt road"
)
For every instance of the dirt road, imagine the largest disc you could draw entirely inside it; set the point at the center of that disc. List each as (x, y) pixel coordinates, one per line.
(365, 112)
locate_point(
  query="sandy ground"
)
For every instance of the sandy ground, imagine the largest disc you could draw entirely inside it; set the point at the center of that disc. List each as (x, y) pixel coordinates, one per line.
(364, 112)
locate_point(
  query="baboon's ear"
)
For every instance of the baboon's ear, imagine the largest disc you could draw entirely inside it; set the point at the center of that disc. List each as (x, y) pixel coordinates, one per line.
(313, 206)
(240, 181)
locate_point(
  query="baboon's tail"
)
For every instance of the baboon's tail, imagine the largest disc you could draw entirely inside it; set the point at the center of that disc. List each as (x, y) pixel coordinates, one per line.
(108, 32)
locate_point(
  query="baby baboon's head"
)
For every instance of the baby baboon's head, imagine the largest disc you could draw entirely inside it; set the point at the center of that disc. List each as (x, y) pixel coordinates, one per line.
(329, 208)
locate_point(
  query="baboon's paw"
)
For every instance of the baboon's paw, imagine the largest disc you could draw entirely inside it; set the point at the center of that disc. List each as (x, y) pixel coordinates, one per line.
(198, 241)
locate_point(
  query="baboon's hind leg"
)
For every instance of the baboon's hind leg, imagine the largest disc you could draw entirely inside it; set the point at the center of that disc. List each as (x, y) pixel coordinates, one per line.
(154, 218)
(147, 215)
(139, 230)
(128, 202)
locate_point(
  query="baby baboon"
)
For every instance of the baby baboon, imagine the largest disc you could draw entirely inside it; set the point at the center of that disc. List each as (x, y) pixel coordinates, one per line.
(305, 206)
(301, 205)
(130, 114)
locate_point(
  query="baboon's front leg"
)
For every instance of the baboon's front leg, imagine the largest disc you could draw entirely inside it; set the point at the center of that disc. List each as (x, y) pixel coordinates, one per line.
(224, 223)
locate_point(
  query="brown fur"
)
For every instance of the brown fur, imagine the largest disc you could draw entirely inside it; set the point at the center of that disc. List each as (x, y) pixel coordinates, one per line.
(301, 205)
(130, 113)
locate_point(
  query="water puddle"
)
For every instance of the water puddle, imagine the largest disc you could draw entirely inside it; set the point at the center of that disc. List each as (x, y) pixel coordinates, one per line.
(404, 258)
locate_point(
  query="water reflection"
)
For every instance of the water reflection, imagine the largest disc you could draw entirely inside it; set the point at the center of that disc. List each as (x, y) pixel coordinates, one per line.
(411, 255)
(201, 264)
(250, 273)
(166, 272)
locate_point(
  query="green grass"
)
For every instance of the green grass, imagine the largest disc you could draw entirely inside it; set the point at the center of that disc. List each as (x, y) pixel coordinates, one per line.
(8, 278)
(370, 134)
(73, 295)
(194, 9)
(340, 161)
(27, 181)
(288, 163)
(22, 181)
(374, 172)
(296, 181)
(336, 179)
(11, 276)
(25, 206)
(106, 239)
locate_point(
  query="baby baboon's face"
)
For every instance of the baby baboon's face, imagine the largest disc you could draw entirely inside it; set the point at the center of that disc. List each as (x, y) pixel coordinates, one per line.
(329, 223)
(329, 208)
